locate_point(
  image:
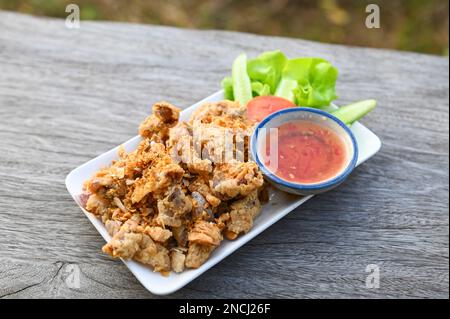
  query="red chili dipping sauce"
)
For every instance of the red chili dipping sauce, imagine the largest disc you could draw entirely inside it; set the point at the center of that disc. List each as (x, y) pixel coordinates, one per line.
(308, 153)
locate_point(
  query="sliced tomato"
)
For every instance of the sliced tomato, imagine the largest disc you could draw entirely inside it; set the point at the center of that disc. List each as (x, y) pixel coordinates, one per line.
(261, 106)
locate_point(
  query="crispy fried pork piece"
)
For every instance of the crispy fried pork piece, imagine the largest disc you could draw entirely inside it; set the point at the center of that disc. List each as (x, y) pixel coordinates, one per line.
(130, 242)
(166, 112)
(236, 178)
(153, 254)
(112, 226)
(154, 129)
(180, 234)
(225, 112)
(126, 242)
(97, 205)
(157, 178)
(108, 181)
(201, 186)
(200, 166)
(177, 258)
(124, 245)
(242, 214)
(205, 233)
(158, 234)
(197, 255)
(203, 238)
(100, 180)
(156, 126)
(173, 207)
(222, 220)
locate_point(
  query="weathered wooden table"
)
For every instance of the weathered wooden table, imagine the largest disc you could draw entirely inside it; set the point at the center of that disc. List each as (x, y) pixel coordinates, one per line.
(67, 95)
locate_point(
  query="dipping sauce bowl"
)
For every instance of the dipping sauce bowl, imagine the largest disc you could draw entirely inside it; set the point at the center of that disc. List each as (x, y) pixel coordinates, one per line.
(311, 118)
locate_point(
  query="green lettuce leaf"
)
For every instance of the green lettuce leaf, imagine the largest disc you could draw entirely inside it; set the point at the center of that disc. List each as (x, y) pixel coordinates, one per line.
(304, 81)
(260, 89)
(267, 68)
(308, 82)
(227, 85)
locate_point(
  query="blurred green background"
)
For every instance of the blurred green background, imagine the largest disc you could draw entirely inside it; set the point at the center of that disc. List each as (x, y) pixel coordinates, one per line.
(413, 25)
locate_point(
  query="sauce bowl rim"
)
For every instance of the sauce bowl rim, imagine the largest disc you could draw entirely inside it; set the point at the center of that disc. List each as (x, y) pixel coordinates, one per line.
(299, 186)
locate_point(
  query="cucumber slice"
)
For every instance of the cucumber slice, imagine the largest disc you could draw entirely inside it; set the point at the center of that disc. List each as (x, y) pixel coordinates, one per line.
(353, 112)
(242, 88)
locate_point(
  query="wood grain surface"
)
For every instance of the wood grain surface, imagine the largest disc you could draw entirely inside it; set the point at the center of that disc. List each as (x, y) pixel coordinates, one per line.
(68, 95)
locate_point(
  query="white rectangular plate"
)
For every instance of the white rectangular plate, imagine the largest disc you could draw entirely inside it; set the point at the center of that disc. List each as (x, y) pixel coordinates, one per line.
(281, 204)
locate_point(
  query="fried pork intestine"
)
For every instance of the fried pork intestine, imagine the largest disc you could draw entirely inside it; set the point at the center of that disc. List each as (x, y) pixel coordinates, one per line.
(216, 133)
(170, 208)
(156, 126)
(236, 179)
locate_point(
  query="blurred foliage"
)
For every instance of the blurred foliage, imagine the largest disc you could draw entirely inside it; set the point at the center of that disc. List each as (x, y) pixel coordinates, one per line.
(413, 25)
